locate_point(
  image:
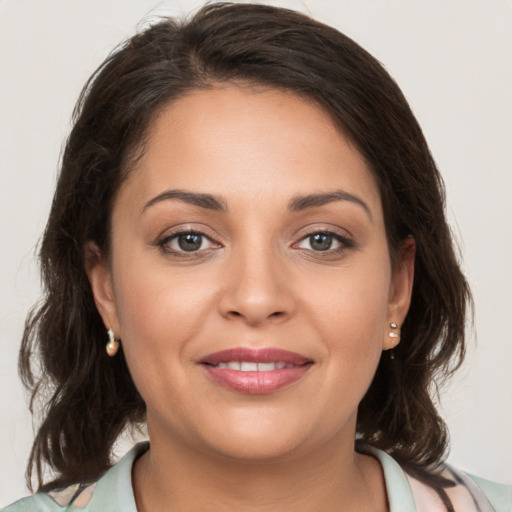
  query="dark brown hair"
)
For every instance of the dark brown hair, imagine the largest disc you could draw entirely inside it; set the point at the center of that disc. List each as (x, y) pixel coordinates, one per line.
(88, 398)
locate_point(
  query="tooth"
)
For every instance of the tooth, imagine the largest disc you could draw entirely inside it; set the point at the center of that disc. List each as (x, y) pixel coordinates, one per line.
(266, 367)
(246, 366)
(249, 367)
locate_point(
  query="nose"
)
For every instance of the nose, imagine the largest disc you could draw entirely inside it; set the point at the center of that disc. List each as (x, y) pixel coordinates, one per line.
(257, 289)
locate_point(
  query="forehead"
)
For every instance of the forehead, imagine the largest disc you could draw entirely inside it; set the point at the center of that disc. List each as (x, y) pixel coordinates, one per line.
(250, 141)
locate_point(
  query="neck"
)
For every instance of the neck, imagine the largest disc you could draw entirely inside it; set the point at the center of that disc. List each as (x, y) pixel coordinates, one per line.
(328, 479)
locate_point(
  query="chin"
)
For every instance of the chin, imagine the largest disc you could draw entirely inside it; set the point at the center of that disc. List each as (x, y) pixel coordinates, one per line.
(263, 438)
(257, 449)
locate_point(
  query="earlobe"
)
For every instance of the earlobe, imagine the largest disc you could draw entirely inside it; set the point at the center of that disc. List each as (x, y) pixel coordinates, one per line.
(401, 292)
(100, 278)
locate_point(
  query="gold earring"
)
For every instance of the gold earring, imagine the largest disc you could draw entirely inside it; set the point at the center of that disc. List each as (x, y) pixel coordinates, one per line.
(113, 344)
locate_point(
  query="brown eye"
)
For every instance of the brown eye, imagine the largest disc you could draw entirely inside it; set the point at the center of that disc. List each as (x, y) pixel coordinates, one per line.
(320, 241)
(190, 241)
(325, 241)
(186, 242)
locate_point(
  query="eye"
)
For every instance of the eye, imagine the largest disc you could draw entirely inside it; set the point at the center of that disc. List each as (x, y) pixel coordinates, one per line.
(324, 241)
(186, 242)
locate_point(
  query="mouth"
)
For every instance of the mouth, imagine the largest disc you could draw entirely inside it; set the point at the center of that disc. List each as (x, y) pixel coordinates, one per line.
(255, 371)
(249, 366)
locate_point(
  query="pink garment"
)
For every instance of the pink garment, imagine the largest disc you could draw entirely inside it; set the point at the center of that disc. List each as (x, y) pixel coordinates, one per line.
(465, 496)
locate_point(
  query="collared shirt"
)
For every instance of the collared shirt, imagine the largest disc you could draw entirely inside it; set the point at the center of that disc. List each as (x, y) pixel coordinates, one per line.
(113, 492)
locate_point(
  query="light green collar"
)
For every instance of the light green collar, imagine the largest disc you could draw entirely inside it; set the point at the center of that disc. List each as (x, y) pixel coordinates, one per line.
(115, 487)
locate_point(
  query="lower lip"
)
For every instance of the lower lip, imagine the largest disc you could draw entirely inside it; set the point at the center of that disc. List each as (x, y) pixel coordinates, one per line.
(256, 383)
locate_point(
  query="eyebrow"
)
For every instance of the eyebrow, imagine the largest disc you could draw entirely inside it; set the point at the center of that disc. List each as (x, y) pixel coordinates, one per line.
(299, 203)
(208, 201)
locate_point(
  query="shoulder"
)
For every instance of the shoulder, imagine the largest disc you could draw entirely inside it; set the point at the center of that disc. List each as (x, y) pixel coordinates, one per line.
(40, 502)
(499, 495)
(78, 495)
(475, 494)
(111, 493)
(74, 496)
(469, 494)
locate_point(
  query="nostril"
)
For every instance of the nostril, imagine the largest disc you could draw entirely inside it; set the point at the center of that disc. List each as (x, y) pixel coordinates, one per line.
(275, 314)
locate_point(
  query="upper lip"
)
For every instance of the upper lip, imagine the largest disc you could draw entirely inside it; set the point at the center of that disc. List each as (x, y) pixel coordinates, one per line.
(259, 355)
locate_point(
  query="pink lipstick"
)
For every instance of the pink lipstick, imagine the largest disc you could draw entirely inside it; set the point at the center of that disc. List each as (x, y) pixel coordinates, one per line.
(255, 371)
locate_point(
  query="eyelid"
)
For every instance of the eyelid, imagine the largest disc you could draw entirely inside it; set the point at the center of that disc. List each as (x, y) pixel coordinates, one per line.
(189, 227)
(321, 227)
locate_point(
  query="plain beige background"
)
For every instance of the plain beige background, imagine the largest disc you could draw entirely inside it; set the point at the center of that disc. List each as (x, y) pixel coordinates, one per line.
(453, 60)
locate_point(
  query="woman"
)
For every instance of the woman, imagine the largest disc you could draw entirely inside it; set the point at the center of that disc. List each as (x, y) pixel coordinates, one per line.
(247, 250)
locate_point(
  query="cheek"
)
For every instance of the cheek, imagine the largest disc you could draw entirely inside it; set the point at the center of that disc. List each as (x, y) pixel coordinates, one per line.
(159, 313)
(350, 312)
(351, 302)
(353, 332)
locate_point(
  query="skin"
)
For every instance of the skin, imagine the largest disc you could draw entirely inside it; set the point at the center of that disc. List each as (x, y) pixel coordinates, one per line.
(256, 281)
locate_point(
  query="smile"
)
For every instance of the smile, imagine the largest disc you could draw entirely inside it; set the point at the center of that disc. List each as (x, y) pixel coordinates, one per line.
(255, 371)
(246, 366)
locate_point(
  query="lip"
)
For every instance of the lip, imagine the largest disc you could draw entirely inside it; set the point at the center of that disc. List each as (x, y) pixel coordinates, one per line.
(256, 382)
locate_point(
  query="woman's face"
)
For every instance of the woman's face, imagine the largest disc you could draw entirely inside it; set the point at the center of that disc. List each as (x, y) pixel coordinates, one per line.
(251, 231)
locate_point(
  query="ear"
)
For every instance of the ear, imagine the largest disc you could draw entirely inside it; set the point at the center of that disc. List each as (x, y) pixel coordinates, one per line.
(401, 291)
(100, 278)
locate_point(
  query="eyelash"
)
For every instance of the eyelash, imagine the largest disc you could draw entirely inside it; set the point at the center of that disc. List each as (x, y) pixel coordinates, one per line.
(164, 243)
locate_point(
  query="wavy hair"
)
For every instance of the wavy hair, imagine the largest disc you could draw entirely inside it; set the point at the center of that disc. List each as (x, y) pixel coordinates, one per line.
(88, 398)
